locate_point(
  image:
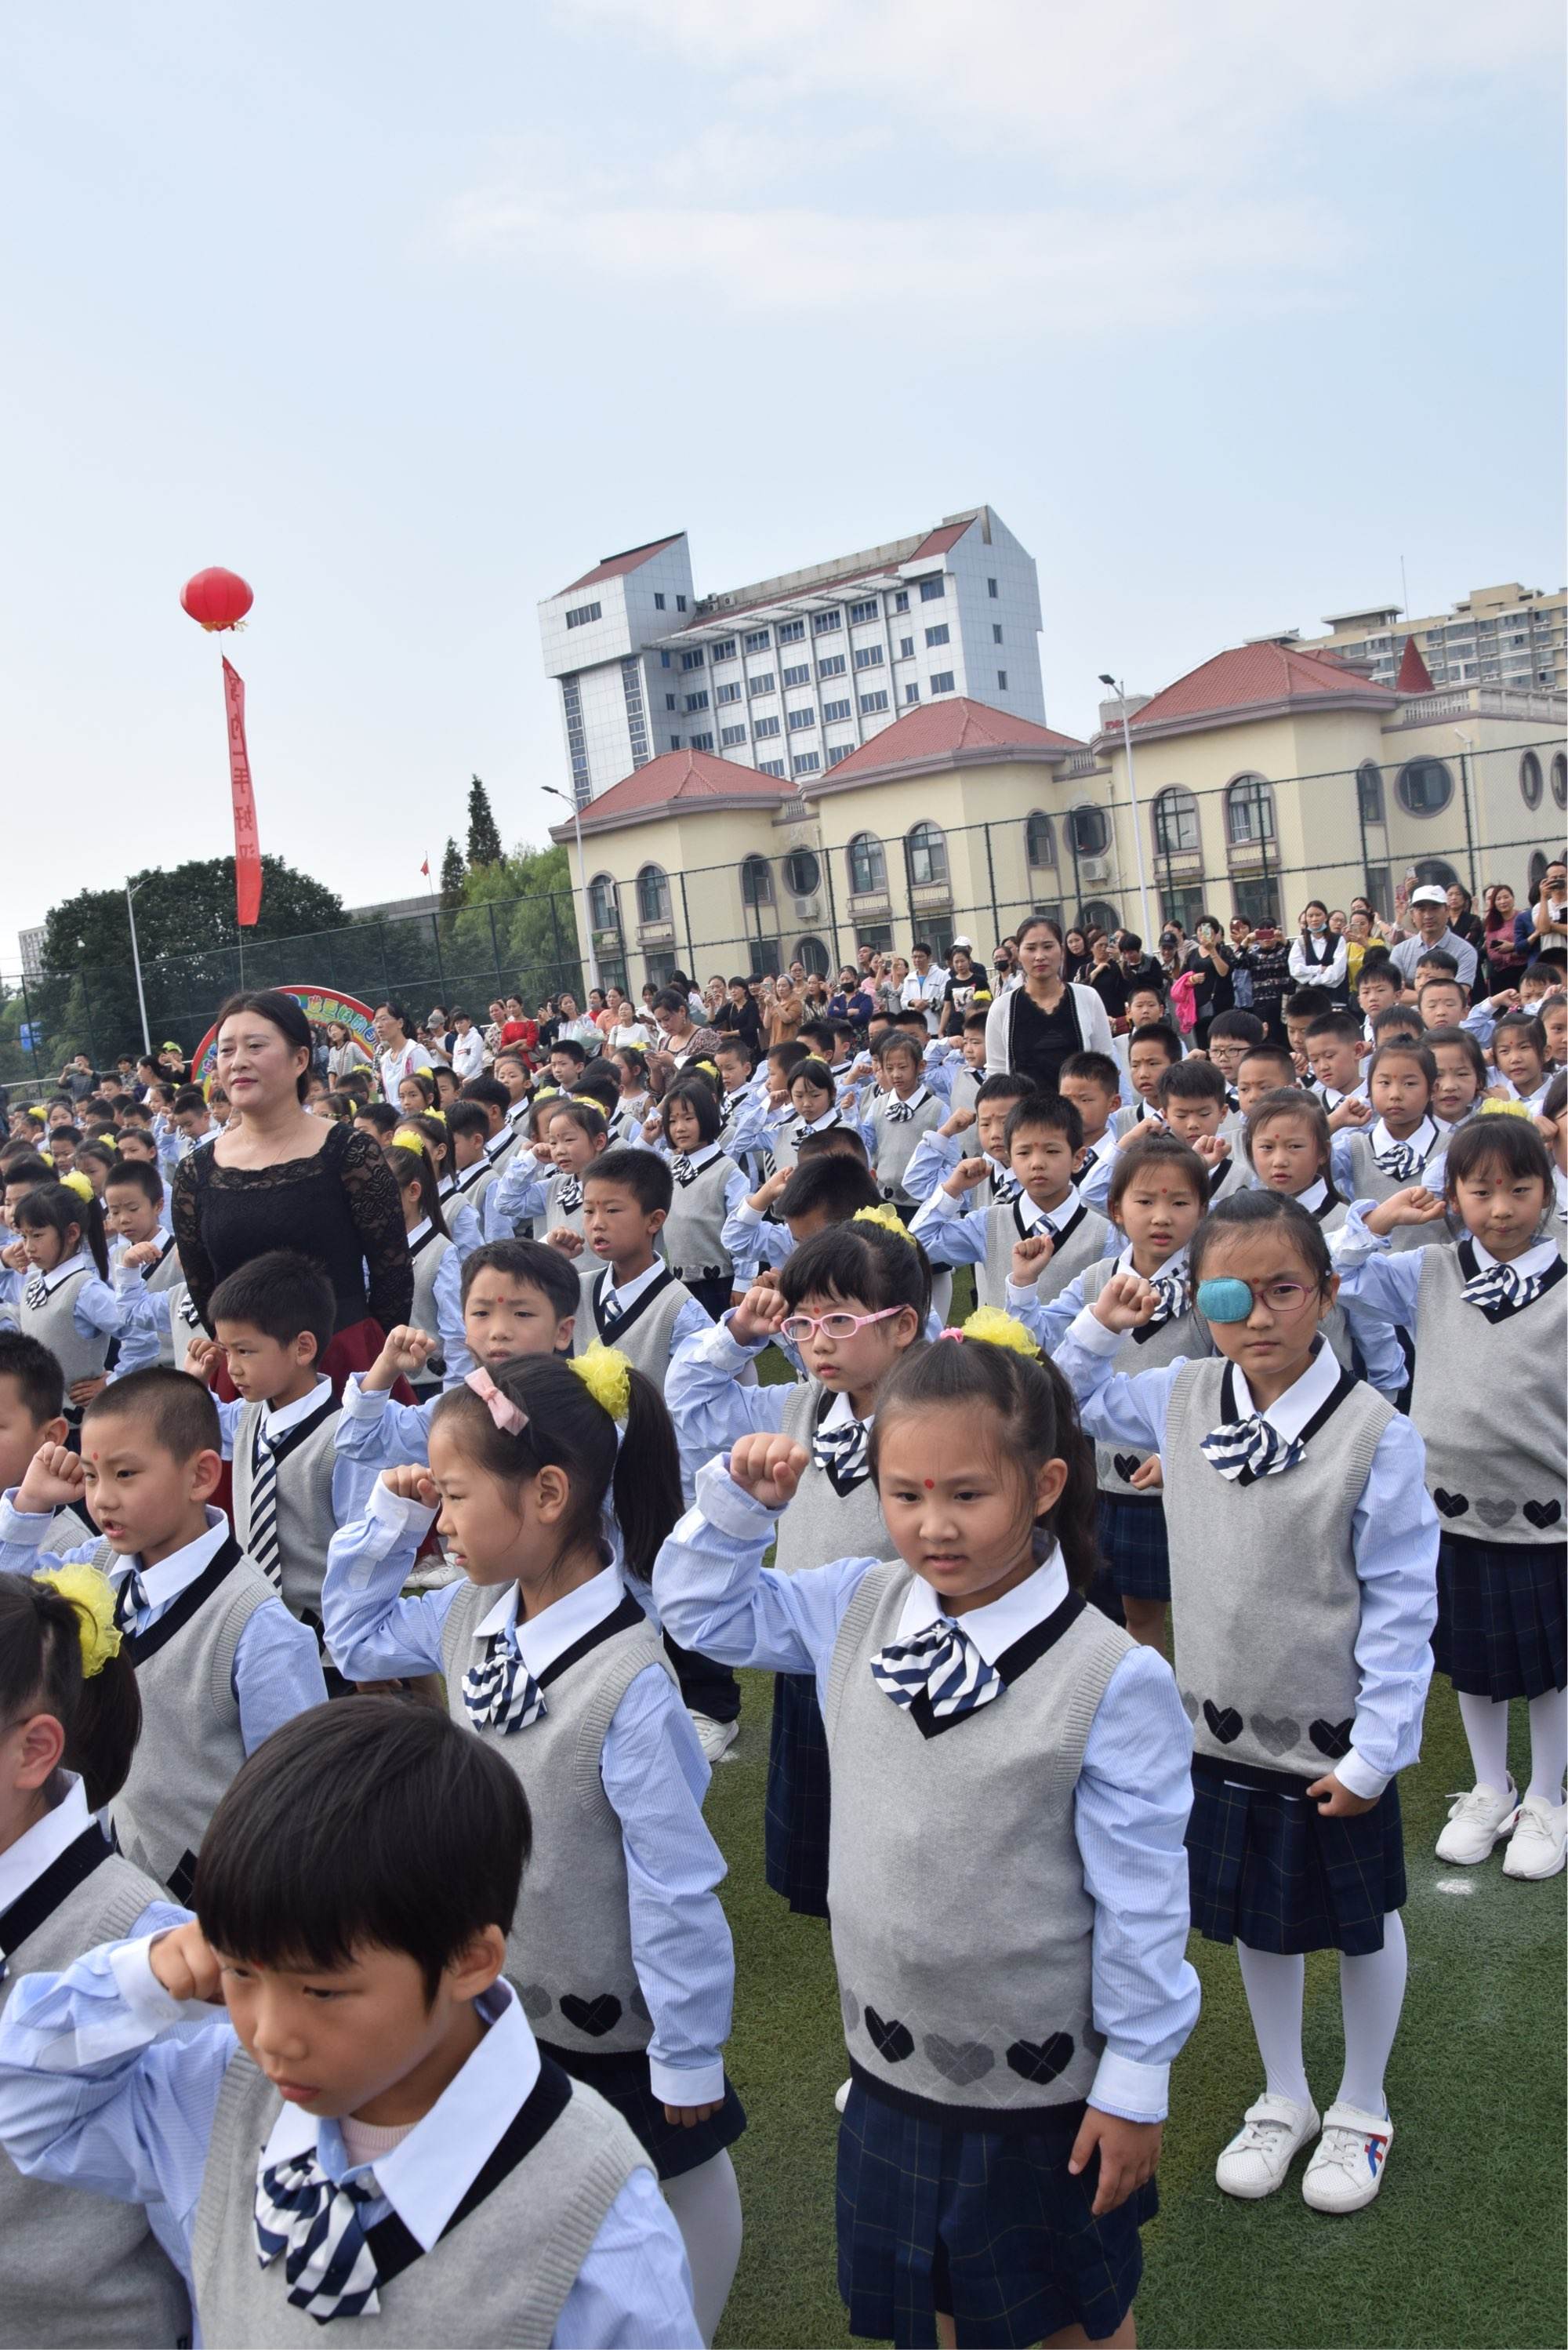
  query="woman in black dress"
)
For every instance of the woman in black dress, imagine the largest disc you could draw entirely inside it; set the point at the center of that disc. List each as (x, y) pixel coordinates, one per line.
(1034, 1027)
(279, 1178)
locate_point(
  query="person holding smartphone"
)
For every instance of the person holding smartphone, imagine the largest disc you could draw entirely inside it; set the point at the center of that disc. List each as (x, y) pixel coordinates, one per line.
(1214, 989)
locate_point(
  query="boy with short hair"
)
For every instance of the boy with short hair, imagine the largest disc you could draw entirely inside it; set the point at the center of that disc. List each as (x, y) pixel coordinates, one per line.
(468, 1137)
(546, 1184)
(1333, 1056)
(144, 1263)
(191, 1119)
(1147, 1004)
(459, 2178)
(1397, 1023)
(1193, 1099)
(567, 1061)
(967, 1075)
(1043, 1136)
(1376, 988)
(496, 1100)
(220, 1661)
(1091, 1082)
(1301, 1009)
(756, 1231)
(378, 1119)
(33, 1413)
(631, 1299)
(1150, 1050)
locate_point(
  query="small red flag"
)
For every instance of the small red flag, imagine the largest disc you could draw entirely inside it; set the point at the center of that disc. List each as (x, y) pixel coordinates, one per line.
(425, 868)
(247, 848)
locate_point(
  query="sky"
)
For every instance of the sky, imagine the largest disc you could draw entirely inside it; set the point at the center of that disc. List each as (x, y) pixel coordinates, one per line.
(411, 315)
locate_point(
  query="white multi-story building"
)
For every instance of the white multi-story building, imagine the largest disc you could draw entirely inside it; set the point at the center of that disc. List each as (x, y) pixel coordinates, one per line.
(1506, 635)
(788, 675)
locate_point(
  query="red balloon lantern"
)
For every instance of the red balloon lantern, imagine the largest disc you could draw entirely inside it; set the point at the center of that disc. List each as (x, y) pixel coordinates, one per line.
(217, 599)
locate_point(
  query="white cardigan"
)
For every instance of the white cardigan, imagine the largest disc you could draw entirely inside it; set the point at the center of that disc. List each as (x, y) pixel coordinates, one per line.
(1094, 1027)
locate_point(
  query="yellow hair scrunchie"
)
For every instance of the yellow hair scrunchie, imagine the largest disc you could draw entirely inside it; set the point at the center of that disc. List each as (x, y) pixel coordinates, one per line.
(887, 1220)
(992, 1328)
(78, 1183)
(605, 1373)
(92, 1596)
(1505, 1109)
(407, 1138)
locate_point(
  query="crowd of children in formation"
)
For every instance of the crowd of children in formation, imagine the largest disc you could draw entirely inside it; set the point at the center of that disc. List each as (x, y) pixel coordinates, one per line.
(363, 1948)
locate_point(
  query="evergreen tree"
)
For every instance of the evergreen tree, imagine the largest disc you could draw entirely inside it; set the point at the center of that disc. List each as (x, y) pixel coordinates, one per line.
(483, 835)
(452, 874)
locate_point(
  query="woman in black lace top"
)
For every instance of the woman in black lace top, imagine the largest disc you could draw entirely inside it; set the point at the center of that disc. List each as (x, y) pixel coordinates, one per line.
(280, 1178)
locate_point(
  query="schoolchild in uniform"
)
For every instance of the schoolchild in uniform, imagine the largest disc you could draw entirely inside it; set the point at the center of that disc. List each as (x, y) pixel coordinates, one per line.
(1518, 1052)
(830, 1182)
(1393, 1137)
(631, 1296)
(942, 1147)
(1290, 1147)
(32, 1413)
(1044, 1136)
(544, 1185)
(430, 2159)
(1000, 1754)
(1150, 1051)
(966, 1078)
(220, 1661)
(621, 1952)
(1462, 1077)
(1494, 1309)
(1231, 1036)
(904, 1107)
(812, 1106)
(145, 1261)
(708, 1188)
(1194, 1099)
(64, 1299)
(433, 1134)
(437, 1267)
(1092, 1083)
(1333, 1056)
(1303, 1669)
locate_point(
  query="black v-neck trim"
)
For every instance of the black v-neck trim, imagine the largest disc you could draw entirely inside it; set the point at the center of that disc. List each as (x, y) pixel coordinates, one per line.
(424, 1240)
(1505, 1308)
(1058, 1239)
(195, 1596)
(841, 1486)
(59, 1880)
(625, 1616)
(292, 1437)
(1010, 1666)
(162, 1259)
(394, 2247)
(1344, 1386)
(639, 1305)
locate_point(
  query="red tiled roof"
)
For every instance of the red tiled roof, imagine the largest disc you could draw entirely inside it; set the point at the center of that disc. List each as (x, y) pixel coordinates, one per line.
(939, 542)
(1246, 675)
(943, 731)
(687, 778)
(1414, 676)
(614, 566)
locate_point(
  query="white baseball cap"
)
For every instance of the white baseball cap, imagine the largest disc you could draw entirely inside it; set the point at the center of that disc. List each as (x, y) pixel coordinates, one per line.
(1428, 894)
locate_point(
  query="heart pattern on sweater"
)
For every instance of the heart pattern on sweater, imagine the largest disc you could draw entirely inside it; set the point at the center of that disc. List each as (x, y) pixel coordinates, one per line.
(1495, 1513)
(849, 2007)
(957, 2061)
(1189, 1705)
(1041, 2061)
(1543, 1513)
(1124, 1463)
(1452, 1505)
(893, 2040)
(594, 2016)
(1224, 1721)
(1332, 1738)
(536, 2001)
(1279, 1737)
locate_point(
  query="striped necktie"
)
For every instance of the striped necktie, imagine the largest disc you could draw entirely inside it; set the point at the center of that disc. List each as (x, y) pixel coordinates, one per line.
(37, 1293)
(1170, 1294)
(330, 2268)
(1004, 1188)
(943, 1662)
(683, 1170)
(1399, 1160)
(130, 1601)
(261, 1538)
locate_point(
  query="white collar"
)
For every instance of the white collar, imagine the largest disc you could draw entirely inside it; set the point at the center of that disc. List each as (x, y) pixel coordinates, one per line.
(445, 1186)
(426, 2175)
(418, 1232)
(278, 1423)
(541, 1638)
(818, 1124)
(1102, 1147)
(996, 1629)
(81, 1263)
(841, 1411)
(1173, 1269)
(22, 1863)
(912, 1101)
(1290, 1414)
(1331, 1097)
(176, 1572)
(467, 1175)
(626, 1292)
(1313, 1198)
(1423, 1142)
(1538, 1258)
(1051, 1220)
(700, 1157)
(500, 1142)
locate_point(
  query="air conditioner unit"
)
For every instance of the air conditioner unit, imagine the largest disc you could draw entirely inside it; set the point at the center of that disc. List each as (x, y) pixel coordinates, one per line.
(807, 909)
(1094, 868)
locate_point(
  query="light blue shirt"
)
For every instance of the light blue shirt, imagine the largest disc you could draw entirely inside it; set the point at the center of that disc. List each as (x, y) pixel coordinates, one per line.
(752, 1241)
(1428, 1142)
(108, 2084)
(1394, 1533)
(652, 1768)
(949, 1236)
(517, 1194)
(1386, 1284)
(276, 1424)
(1134, 1790)
(462, 1221)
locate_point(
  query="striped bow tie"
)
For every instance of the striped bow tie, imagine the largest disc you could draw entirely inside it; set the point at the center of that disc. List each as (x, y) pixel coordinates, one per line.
(570, 1198)
(502, 1693)
(129, 1600)
(36, 1292)
(1254, 1443)
(1398, 1160)
(1004, 1190)
(943, 1662)
(1171, 1301)
(1499, 1284)
(842, 1451)
(299, 2212)
(188, 1313)
(682, 1170)
(900, 1112)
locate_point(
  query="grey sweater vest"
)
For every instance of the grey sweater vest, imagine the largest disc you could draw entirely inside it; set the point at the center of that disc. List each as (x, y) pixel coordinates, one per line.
(427, 1259)
(693, 1247)
(499, 2276)
(556, 1217)
(569, 1952)
(1084, 1243)
(966, 1085)
(53, 1325)
(1369, 1182)
(963, 1931)
(1266, 1600)
(77, 2267)
(893, 1142)
(1187, 1336)
(645, 1336)
(1495, 1460)
(1337, 1329)
(305, 1519)
(168, 1275)
(822, 1524)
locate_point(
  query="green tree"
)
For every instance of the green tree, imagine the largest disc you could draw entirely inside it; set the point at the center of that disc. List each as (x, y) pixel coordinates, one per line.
(483, 834)
(452, 874)
(528, 898)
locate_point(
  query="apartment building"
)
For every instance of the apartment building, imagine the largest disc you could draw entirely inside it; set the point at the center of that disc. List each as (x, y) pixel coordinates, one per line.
(1508, 635)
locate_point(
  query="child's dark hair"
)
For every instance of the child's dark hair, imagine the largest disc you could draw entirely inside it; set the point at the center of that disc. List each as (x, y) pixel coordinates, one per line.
(898, 1040)
(1239, 1028)
(281, 1294)
(1406, 1049)
(1468, 1044)
(468, 1117)
(418, 1167)
(644, 1173)
(190, 1101)
(866, 1262)
(432, 1127)
(1006, 1086)
(1052, 1111)
(1242, 1211)
(786, 1053)
(598, 1084)
(1156, 1151)
(585, 1116)
(812, 1072)
(817, 1035)
(1377, 963)
(532, 1266)
(423, 1081)
(41, 1672)
(1159, 1032)
(487, 1090)
(1279, 1054)
(1195, 1079)
(571, 1047)
(699, 1098)
(566, 1428)
(1308, 1003)
(340, 1107)
(417, 1843)
(1029, 1407)
(634, 1060)
(833, 1142)
(1505, 1142)
(1294, 1101)
(135, 1175)
(831, 1182)
(55, 1207)
(1343, 1026)
(385, 1117)
(1555, 1097)
(1094, 1068)
(1438, 963)
(1398, 1019)
(179, 1409)
(41, 1381)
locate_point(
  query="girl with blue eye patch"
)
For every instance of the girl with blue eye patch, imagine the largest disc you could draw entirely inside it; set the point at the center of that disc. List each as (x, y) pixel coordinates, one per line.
(1304, 1591)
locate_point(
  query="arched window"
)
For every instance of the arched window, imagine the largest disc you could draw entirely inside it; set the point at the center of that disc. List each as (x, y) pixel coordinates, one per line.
(1096, 915)
(802, 874)
(1560, 778)
(928, 851)
(1425, 786)
(1249, 812)
(1432, 868)
(1530, 783)
(1040, 839)
(604, 907)
(1369, 791)
(653, 894)
(867, 866)
(756, 882)
(813, 954)
(1537, 871)
(1088, 831)
(1175, 821)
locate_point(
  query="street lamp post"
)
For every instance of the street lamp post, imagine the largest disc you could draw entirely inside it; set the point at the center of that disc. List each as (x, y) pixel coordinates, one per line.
(584, 913)
(130, 890)
(1118, 688)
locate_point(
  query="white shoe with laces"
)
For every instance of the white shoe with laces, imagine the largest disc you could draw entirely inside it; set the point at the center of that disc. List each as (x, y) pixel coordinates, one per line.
(1347, 2165)
(715, 1738)
(1475, 1823)
(1539, 1845)
(1271, 2135)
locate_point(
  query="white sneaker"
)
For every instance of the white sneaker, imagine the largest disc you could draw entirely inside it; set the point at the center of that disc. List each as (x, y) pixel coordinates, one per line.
(1271, 2135)
(1475, 1823)
(715, 1738)
(1346, 2169)
(1540, 1843)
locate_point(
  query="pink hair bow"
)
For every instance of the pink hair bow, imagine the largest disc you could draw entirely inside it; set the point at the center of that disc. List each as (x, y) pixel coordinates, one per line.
(509, 1417)
(950, 1332)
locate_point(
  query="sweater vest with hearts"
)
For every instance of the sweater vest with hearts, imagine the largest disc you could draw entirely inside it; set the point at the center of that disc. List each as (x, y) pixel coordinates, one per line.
(53, 1324)
(1187, 1335)
(893, 1142)
(500, 2275)
(692, 1242)
(569, 1954)
(963, 1930)
(645, 1336)
(80, 2268)
(1265, 1602)
(1500, 1450)
(307, 1521)
(1085, 1244)
(820, 1524)
(1368, 1182)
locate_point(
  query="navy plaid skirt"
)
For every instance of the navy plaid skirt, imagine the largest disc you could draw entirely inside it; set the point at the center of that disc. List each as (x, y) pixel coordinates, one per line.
(622, 2082)
(987, 2227)
(1266, 1868)
(795, 1826)
(1500, 1629)
(1132, 1537)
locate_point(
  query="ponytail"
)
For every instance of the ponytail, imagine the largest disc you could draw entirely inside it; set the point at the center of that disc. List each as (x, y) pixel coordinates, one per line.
(55, 1207)
(410, 1165)
(648, 1497)
(59, 1655)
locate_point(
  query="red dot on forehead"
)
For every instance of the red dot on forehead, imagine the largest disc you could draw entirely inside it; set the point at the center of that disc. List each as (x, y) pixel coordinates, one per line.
(931, 1485)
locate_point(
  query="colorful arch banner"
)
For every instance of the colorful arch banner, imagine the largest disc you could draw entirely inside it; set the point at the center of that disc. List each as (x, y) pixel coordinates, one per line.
(319, 1004)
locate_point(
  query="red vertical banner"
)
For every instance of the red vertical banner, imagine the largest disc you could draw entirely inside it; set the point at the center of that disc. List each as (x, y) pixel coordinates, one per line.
(247, 848)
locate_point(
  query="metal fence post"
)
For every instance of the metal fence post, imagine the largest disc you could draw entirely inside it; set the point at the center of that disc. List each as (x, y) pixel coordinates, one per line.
(991, 876)
(494, 947)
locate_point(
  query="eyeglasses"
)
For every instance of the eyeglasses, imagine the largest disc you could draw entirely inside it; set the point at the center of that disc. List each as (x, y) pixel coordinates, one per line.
(798, 1327)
